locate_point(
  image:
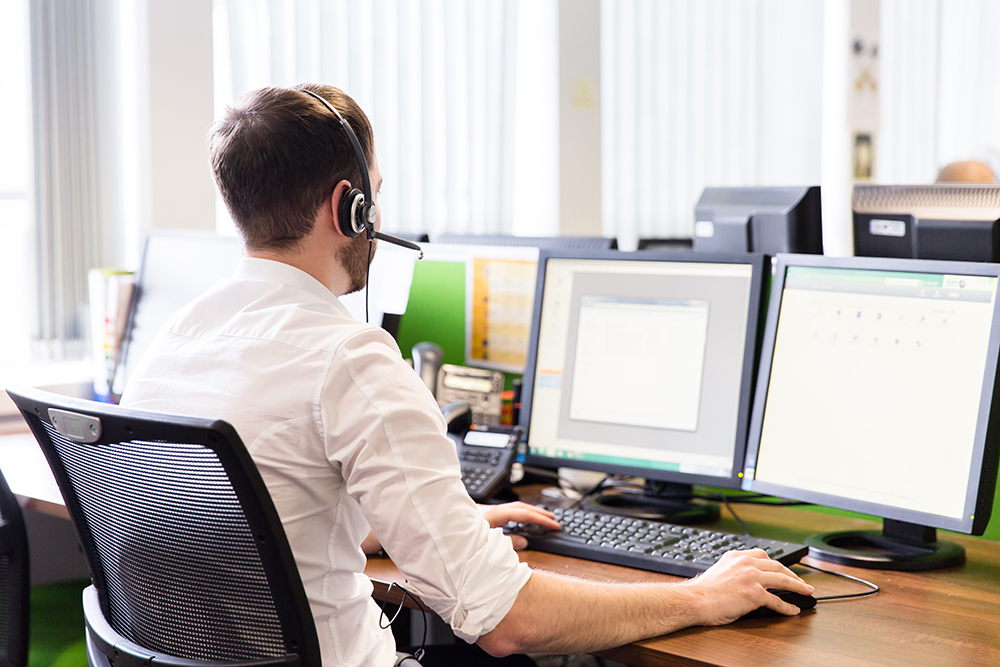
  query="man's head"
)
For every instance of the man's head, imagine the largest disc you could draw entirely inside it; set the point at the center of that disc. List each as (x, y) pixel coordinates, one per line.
(968, 171)
(279, 154)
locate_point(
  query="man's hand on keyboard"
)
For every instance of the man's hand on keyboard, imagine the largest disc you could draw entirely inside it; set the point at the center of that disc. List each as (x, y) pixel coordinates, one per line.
(518, 512)
(738, 584)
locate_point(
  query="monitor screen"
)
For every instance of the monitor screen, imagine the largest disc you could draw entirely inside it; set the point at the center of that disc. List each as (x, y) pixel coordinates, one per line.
(876, 390)
(641, 364)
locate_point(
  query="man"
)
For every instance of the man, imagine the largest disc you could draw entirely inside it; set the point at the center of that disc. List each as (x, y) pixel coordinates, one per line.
(346, 436)
(966, 171)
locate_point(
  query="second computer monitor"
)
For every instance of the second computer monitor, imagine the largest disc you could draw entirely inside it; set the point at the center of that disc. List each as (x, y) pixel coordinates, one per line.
(759, 219)
(642, 364)
(951, 221)
(878, 394)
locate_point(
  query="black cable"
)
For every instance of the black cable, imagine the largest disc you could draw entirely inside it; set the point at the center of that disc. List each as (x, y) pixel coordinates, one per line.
(385, 601)
(419, 653)
(368, 269)
(592, 490)
(729, 508)
(874, 587)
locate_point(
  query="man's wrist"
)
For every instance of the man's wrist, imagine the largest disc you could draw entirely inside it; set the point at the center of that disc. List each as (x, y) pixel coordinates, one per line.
(694, 604)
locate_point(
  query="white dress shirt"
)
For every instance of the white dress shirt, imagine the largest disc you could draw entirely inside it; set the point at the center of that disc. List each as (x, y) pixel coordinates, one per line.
(345, 436)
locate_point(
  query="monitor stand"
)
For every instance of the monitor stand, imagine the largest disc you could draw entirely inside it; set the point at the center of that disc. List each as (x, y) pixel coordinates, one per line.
(900, 546)
(658, 501)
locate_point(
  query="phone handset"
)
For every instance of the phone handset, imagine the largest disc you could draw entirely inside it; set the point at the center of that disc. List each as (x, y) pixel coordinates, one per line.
(427, 360)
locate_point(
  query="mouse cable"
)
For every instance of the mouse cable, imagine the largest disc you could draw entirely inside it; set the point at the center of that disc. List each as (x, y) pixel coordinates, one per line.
(419, 653)
(874, 587)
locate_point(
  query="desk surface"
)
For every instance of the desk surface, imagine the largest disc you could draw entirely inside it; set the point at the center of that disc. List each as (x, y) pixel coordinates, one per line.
(28, 474)
(945, 617)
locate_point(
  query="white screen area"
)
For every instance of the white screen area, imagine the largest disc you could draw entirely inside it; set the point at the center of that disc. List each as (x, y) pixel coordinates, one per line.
(875, 387)
(665, 339)
(639, 364)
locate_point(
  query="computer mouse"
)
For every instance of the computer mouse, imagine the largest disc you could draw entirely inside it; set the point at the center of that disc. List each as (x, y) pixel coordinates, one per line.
(803, 602)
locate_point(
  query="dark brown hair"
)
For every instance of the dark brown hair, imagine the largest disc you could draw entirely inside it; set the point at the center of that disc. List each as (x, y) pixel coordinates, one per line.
(278, 154)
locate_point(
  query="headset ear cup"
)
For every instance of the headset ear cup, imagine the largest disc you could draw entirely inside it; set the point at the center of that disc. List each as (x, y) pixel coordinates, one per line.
(350, 213)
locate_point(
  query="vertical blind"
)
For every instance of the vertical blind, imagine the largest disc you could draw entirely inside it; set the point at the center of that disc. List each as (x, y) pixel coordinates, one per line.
(940, 88)
(435, 77)
(704, 92)
(68, 232)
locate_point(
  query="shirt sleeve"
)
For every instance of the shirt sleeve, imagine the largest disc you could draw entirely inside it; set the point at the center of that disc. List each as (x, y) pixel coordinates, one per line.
(383, 428)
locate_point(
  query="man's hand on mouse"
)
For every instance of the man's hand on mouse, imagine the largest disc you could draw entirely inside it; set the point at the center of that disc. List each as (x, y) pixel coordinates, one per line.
(500, 515)
(738, 584)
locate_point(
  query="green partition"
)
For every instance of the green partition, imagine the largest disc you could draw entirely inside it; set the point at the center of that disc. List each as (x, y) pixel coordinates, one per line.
(435, 311)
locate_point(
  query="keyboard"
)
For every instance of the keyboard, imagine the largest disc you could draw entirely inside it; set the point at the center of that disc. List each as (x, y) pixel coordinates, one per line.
(646, 545)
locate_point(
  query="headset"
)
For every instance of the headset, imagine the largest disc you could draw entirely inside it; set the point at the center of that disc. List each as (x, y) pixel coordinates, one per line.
(357, 211)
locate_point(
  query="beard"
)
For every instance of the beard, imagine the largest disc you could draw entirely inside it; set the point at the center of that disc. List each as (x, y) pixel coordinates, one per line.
(354, 258)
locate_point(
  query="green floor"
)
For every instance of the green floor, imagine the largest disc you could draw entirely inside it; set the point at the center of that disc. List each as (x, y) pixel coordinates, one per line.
(56, 635)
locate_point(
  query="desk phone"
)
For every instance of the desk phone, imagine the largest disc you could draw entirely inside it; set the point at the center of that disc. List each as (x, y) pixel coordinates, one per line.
(486, 454)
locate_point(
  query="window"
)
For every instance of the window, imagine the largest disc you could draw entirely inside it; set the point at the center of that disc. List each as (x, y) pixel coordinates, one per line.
(15, 167)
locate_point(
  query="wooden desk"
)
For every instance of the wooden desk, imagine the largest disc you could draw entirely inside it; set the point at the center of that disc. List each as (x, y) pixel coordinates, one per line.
(945, 617)
(28, 474)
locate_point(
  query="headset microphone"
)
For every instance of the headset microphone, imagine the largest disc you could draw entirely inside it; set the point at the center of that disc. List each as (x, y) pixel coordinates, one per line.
(389, 238)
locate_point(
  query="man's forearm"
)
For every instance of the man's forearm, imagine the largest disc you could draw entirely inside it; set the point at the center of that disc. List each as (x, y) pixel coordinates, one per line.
(558, 614)
(555, 614)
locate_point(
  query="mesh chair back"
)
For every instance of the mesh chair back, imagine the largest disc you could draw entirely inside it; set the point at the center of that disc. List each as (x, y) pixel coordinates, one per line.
(185, 548)
(14, 581)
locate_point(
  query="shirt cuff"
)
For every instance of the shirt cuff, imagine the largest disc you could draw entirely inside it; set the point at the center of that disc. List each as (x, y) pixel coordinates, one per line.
(493, 580)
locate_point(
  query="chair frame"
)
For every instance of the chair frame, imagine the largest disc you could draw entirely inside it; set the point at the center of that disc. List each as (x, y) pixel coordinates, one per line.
(14, 544)
(120, 425)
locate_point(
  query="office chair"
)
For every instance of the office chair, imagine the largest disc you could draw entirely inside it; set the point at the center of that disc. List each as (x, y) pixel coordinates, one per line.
(187, 556)
(14, 581)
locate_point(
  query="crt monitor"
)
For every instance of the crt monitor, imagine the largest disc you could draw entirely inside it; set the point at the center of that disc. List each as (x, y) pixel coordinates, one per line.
(877, 394)
(953, 221)
(641, 364)
(759, 219)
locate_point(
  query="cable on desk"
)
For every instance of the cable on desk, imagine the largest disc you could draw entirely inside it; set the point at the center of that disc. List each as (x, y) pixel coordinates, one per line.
(623, 483)
(874, 587)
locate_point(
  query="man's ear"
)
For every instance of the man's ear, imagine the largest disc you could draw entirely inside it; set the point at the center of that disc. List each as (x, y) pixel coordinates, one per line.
(335, 199)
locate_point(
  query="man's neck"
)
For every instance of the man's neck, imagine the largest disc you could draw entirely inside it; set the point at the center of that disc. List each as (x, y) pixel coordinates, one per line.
(326, 269)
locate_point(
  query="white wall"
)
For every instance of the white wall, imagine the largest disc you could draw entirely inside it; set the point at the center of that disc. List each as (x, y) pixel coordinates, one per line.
(580, 117)
(181, 113)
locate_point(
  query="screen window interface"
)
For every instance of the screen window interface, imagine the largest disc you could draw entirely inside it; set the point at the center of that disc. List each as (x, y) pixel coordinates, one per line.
(875, 387)
(639, 364)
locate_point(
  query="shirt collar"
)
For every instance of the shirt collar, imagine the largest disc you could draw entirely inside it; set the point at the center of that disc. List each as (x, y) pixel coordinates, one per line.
(267, 270)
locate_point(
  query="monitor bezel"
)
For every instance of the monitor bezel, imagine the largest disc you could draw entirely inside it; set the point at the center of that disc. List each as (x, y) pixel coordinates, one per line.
(982, 476)
(758, 263)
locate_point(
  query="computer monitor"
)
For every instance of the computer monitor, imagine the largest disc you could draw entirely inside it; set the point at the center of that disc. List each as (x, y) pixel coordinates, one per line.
(759, 219)
(641, 364)
(654, 243)
(877, 394)
(542, 242)
(177, 266)
(952, 221)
